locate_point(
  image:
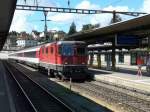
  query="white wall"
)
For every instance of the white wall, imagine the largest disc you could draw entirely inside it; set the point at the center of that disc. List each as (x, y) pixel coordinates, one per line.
(126, 59)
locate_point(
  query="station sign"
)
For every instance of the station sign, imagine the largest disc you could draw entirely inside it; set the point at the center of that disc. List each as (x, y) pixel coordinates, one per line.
(126, 40)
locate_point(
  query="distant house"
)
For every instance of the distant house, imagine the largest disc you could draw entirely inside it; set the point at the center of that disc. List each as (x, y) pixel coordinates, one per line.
(11, 41)
(60, 35)
(24, 35)
(35, 34)
(22, 43)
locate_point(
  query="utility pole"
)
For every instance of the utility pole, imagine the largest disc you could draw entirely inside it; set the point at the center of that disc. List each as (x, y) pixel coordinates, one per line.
(45, 28)
(114, 16)
(113, 46)
(69, 3)
(45, 25)
(36, 2)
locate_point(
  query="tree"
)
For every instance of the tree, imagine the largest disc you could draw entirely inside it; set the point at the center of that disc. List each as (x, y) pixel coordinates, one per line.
(72, 29)
(13, 33)
(87, 27)
(117, 19)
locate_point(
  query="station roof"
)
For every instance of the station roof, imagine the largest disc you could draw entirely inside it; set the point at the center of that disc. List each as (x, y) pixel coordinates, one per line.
(139, 26)
(99, 48)
(7, 8)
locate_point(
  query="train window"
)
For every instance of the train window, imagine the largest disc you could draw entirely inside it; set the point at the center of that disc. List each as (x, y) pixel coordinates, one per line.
(51, 50)
(47, 50)
(121, 58)
(31, 54)
(25, 54)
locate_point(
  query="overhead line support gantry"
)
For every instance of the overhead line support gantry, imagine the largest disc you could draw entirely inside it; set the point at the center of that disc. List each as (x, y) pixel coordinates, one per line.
(71, 10)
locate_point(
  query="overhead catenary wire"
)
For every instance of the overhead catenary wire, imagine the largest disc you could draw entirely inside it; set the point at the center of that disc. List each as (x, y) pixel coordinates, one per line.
(112, 3)
(69, 3)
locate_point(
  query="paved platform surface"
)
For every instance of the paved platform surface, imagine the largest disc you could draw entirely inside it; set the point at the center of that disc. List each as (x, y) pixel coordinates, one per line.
(128, 79)
(127, 66)
(4, 55)
(5, 102)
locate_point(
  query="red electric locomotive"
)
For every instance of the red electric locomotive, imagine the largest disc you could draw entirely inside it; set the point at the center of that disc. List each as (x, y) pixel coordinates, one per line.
(66, 59)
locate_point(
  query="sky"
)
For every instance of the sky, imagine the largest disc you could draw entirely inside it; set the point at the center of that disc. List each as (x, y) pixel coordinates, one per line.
(31, 20)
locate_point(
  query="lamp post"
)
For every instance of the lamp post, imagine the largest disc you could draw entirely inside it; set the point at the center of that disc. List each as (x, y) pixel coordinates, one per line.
(45, 27)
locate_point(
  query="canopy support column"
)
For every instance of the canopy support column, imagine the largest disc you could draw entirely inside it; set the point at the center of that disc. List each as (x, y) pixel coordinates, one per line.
(91, 59)
(113, 55)
(99, 60)
(149, 42)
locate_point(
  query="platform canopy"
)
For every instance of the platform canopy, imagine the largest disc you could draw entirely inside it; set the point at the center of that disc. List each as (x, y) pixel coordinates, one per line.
(105, 47)
(139, 26)
(7, 8)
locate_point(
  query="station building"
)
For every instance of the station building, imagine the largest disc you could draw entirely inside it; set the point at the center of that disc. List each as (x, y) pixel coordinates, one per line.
(26, 43)
(122, 57)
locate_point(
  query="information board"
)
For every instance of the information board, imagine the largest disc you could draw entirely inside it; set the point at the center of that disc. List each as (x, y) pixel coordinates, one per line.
(127, 40)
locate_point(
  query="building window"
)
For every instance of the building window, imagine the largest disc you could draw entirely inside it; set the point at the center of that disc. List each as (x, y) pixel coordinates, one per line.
(107, 57)
(121, 58)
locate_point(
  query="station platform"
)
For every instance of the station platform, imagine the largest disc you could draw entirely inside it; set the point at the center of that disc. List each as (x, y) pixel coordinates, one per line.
(126, 79)
(4, 55)
(130, 67)
(126, 66)
(6, 104)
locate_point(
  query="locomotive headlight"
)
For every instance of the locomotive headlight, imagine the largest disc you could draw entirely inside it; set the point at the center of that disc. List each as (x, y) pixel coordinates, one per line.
(66, 63)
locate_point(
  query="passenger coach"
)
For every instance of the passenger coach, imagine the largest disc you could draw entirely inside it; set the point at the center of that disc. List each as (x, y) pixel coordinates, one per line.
(29, 56)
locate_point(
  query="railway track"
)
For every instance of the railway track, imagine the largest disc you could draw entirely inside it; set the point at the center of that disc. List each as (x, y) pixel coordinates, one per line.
(124, 96)
(135, 90)
(134, 104)
(19, 100)
(39, 98)
(74, 100)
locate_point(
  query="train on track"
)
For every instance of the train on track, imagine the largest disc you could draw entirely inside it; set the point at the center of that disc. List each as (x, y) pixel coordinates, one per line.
(63, 59)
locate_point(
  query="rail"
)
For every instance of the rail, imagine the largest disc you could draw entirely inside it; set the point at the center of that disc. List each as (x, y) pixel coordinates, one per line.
(40, 99)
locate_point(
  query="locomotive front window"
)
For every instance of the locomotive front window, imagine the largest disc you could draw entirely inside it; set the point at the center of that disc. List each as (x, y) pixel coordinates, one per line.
(67, 50)
(81, 51)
